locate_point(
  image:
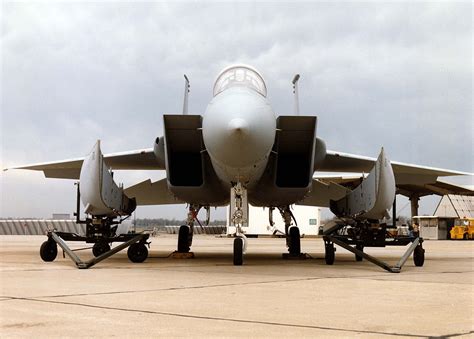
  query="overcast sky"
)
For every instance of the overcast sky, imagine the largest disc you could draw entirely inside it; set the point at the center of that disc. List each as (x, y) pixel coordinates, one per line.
(397, 75)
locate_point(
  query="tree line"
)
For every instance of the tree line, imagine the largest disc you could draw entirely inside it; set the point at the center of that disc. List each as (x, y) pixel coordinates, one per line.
(171, 222)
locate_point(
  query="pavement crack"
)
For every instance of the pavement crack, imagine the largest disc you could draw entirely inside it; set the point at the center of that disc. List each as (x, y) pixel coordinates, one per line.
(201, 286)
(235, 320)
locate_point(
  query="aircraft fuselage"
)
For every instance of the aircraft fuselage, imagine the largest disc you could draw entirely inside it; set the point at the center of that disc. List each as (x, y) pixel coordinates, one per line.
(239, 129)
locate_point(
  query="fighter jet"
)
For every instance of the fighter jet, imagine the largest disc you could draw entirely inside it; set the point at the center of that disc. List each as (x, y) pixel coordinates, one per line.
(240, 152)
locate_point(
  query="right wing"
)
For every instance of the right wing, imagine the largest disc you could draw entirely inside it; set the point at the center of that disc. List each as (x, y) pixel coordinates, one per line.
(345, 162)
(144, 159)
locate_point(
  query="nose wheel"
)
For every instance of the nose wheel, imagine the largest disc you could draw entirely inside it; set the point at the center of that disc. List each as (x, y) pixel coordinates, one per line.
(238, 251)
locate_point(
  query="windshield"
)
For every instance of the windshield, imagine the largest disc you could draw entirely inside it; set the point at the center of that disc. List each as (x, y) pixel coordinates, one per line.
(240, 75)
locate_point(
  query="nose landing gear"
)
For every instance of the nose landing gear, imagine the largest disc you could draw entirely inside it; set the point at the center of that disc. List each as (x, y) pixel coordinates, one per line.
(239, 208)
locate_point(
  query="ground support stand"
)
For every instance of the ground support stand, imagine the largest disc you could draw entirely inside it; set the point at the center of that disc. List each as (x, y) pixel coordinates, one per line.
(345, 242)
(129, 240)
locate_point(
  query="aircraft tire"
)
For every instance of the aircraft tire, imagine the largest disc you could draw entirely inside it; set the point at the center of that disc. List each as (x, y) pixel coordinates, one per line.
(295, 243)
(238, 251)
(183, 239)
(100, 248)
(330, 254)
(137, 253)
(360, 248)
(419, 256)
(48, 250)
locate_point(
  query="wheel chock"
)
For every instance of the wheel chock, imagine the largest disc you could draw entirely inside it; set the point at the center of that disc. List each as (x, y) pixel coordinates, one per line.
(182, 255)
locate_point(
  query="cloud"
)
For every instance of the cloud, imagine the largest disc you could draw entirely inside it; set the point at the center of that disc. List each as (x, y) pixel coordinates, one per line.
(397, 75)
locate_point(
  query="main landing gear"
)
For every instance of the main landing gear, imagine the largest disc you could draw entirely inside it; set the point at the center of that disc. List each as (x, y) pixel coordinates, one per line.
(185, 234)
(292, 233)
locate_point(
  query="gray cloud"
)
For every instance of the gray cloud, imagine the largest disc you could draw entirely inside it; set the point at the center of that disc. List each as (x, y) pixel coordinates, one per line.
(397, 75)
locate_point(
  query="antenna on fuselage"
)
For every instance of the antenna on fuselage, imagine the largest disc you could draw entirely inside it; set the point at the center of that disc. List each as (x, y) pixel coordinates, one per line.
(187, 86)
(295, 92)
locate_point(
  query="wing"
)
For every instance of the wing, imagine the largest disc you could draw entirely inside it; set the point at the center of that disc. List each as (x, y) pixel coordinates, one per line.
(148, 193)
(143, 159)
(345, 162)
(409, 179)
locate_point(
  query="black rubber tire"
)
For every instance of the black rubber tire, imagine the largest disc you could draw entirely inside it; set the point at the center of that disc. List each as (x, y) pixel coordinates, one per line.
(360, 248)
(329, 255)
(48, 250)
(294, 241)
(183, 239)
(419, 256)
(238, 251)
(100, 248)
(137, 253)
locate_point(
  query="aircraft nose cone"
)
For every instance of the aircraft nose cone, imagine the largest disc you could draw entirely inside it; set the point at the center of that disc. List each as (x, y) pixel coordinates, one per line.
(238, 126)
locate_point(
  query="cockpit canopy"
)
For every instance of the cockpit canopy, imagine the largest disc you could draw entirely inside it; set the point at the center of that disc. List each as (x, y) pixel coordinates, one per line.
(240, 75)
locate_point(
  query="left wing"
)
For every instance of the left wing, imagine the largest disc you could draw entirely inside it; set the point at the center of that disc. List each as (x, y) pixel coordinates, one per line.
(143, 159)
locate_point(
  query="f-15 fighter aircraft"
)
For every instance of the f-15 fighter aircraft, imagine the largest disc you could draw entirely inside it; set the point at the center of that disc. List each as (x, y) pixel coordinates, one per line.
(239, 152)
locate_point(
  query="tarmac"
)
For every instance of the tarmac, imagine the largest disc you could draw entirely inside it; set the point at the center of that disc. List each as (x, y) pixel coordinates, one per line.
(209, 297)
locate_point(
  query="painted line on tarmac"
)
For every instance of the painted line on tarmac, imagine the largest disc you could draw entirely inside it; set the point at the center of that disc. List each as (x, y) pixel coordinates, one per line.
(245, 321)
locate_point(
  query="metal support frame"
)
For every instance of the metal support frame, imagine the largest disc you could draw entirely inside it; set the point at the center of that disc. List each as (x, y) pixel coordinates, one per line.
(87, 264)
(392, 269)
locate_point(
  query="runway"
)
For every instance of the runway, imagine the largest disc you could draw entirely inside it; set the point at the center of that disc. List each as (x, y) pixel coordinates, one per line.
(209, 297)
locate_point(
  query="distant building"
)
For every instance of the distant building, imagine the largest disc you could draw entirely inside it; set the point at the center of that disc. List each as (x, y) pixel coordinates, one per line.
(38, 226)
(450, 208)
